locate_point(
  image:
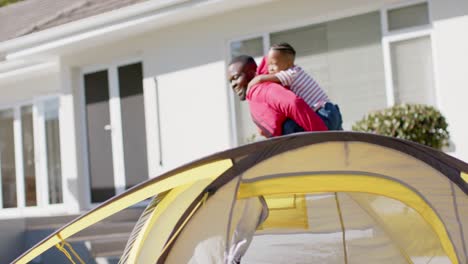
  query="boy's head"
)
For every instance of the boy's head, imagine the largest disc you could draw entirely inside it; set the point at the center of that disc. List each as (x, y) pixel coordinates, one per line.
(280, 57)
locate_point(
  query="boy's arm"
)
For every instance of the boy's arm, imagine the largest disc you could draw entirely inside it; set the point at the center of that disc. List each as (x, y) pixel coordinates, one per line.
(264, 78)
(287, 77)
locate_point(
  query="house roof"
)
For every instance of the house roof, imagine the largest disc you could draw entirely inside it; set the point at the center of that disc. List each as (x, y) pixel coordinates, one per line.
(30, 16)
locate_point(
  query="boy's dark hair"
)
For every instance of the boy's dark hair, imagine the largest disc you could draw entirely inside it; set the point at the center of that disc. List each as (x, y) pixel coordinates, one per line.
(244, 59)
(284, 48)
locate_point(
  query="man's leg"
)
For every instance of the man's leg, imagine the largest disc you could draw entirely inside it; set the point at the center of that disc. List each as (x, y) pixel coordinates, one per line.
(290, 127)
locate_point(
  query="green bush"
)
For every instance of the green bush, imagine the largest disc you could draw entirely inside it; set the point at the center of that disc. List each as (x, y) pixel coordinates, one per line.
(419, 123)
(7, 2)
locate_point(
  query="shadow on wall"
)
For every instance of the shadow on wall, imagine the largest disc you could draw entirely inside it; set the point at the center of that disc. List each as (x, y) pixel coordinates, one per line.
(53, 255)
(451, 148)
(73, 188)
(13, 239)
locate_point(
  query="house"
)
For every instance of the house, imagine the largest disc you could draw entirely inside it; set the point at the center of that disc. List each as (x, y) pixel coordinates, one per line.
(97, 96)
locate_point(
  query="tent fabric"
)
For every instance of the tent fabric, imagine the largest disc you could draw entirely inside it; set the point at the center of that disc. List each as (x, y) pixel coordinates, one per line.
(464, 177)
(331, 197)
(155, 238)
(368, 238)
(426, 174)
(184, 175)
(357, 184)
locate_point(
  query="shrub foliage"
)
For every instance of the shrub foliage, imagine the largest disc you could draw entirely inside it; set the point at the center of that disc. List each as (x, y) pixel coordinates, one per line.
(7, 2)
(419, 123)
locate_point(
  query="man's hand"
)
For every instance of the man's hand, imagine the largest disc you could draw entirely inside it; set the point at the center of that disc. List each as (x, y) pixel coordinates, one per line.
(256, 80)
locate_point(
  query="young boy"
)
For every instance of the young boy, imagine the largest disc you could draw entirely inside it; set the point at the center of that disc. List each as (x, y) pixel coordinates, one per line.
(281, 69)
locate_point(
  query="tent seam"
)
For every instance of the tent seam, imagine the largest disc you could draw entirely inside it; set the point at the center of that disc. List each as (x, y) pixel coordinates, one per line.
(457, 215)
(375, 193)
(343, 231)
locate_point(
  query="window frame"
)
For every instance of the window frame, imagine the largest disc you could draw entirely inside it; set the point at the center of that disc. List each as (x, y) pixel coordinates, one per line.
(116, 122)
(265, 36)
(389, 37)
(40, 158)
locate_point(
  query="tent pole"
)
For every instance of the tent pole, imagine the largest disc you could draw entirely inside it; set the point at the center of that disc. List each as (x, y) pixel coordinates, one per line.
(342, 228)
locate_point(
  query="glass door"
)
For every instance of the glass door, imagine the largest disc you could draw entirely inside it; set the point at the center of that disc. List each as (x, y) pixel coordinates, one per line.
(116, 132)
(133, 123)
(100, 164)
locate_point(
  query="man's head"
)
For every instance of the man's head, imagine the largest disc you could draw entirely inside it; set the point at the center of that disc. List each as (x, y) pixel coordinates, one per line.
(280, 57)
(241, 71)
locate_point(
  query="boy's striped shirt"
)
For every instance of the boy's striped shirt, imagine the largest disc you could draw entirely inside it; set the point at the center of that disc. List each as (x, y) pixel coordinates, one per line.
(304, 86)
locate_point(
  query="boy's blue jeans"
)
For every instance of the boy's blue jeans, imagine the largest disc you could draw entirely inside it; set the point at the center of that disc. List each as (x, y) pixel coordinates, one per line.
(330, 114)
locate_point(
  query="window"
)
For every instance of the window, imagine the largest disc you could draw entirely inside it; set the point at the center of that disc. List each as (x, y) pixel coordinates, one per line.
(412, 70)
(134, 129)
(25, 131)
(364, 63)
(115, 129)
(54, 164)
(29, 163)
(7, 159)
(410, 64)
(409, 16)
(345, 57)
(311, 45)
(247, 132)
(252, 47)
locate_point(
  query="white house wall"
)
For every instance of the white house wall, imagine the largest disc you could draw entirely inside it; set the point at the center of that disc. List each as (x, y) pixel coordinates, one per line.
(188, 62)
(26, 88)
(451, 62)
(191, 56)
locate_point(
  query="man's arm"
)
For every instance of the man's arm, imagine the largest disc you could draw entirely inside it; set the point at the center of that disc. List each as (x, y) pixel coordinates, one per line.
(293, 107)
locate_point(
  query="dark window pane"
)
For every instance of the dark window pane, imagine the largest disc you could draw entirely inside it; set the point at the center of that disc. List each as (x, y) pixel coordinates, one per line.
(133, 123)
(7, 159)
(252, 47)
(28, 155)
(99, 140)
(409, 16)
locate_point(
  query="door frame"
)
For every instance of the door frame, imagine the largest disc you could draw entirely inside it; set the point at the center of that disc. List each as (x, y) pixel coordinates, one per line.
(115, 115)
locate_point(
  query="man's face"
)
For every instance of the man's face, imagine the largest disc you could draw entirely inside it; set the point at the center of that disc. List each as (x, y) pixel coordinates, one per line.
(239, 76)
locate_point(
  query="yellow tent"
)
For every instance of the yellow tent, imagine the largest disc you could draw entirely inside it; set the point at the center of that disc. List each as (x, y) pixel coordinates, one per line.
(333, 197)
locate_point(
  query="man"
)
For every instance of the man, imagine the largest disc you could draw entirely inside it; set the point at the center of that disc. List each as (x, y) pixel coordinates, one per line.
(271, 105)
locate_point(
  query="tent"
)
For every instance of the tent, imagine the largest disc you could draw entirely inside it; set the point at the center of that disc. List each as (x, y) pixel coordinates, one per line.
(330, 197)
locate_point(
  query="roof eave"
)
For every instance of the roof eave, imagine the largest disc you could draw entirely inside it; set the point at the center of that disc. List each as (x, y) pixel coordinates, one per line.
(81, 25)
(153, 13)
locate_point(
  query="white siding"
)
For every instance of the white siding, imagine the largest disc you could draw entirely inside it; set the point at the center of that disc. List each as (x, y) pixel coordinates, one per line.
(192, 56)
(193, 119)
(451, 64)
(189, 61)
(22, 88)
